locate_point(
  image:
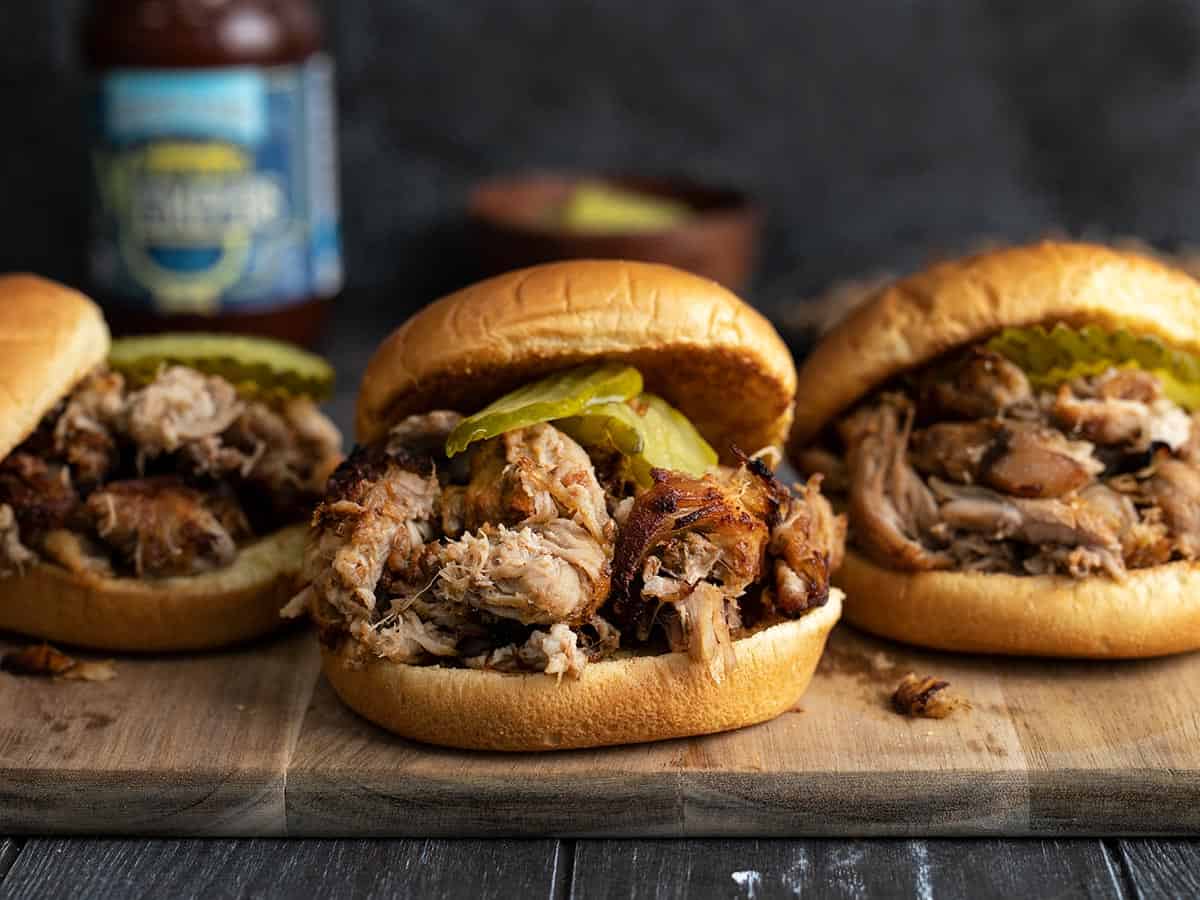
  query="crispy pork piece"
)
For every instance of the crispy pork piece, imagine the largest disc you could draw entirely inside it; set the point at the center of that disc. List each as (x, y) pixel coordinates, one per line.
(378, 505)
(41, 493)
(925, 697)
(979, 384)
(160, 526)
(1019, 458)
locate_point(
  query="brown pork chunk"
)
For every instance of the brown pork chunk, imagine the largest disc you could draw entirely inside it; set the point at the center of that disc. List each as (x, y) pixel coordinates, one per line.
(40, 493)
(1070, 523)
(893, 511)
(979, 384)
(85, 435)
(160, 526)
(1175, 486)
(1019, 458)
(532, 475)
(734, 514)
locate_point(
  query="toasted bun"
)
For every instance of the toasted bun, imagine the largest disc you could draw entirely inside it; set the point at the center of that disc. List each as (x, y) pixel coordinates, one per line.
(917, 319)
(1153, 612)
(697, 345)
(644, 698)
(50, 338)
(195, 612)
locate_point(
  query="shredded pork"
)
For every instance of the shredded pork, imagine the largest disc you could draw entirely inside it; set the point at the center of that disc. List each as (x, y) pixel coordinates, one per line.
(164, 478)
(1097, 476)
(529, 558)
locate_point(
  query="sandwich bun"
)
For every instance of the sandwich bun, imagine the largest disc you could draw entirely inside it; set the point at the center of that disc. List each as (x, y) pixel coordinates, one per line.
(51, 337)
(149, 615)
(912, 322)
(615, 701)
(1153, 612)
(915, 320)
(708, 354)
(698, 346)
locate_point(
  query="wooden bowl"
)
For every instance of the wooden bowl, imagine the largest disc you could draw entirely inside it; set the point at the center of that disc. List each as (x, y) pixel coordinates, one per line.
(512, 226)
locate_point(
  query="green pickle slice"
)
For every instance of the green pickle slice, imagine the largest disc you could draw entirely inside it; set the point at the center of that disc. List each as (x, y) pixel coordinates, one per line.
(671, 442)
(603, 408)
(558, 396)
(1050, 356)
(257, 366)
(607, 426)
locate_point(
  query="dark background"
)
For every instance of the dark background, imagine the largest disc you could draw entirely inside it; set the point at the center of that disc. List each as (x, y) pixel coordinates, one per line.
(876, 131)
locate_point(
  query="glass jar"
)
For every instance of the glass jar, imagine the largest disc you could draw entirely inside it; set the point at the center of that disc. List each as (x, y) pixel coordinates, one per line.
(214, 171)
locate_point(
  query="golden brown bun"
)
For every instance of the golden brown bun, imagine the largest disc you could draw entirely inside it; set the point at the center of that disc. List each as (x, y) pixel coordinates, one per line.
(645, 698)
(1154, 612)
(918, 318)
(195, 612)
(50, 337)
(699, 346)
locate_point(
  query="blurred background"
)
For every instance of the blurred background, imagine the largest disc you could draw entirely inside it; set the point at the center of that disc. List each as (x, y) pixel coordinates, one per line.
(874, 133)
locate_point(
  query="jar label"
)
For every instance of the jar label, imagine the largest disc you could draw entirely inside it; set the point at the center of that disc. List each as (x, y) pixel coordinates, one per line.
(216, 189)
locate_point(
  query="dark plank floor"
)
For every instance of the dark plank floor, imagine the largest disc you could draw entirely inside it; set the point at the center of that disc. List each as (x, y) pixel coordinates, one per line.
(598, 870)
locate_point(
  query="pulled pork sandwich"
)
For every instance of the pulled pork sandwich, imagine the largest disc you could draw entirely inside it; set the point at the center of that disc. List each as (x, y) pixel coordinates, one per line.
(535, 546)
(1015, 437)
(147, 504)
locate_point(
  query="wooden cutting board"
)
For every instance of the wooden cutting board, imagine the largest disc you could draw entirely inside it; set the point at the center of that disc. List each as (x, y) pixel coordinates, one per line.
(253, 742)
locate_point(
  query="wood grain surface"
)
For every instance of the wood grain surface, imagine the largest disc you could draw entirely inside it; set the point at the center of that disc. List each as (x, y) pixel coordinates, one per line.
(172, 745)
(1162, 868)
(9, 847)
(183, 870)
(599, 870)
(606, 870)
(254, 743)
(1045, 748)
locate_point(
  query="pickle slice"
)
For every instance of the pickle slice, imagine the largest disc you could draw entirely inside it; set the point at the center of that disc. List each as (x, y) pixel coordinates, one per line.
(648, 431)
(607, 426)
(1051, 356)
(256, 366)
(557, 396)
(672, 442)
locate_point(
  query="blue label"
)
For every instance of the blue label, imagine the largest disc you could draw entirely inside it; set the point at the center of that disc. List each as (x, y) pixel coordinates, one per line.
(216, 190)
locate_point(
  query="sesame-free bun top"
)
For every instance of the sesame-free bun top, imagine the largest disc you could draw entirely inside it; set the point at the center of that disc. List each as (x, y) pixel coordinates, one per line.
(916, 319)
(697, 345)
(50, 338)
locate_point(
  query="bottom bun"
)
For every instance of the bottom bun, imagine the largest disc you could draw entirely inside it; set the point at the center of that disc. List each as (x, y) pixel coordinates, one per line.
(1153, 612)
(192, 612)
(625, 701)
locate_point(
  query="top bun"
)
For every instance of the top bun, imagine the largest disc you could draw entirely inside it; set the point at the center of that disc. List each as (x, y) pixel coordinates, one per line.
(50, 338)
(700, 347)
(916, 319)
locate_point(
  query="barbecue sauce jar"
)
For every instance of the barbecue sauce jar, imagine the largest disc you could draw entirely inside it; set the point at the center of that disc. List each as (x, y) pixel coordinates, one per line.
(214, 171)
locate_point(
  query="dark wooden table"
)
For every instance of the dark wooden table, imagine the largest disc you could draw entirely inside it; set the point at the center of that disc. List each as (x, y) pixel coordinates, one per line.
(81, 868)
(78, 868)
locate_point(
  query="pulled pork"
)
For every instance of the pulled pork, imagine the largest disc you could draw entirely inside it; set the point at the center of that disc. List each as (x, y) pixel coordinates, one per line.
(525, 560)
(1096, 477)
(167, 478)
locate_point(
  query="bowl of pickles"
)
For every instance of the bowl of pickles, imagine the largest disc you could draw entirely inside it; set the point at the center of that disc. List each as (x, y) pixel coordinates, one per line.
(523, 220)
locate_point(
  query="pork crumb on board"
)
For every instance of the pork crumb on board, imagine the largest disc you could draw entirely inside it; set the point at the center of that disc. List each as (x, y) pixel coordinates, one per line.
(925, 697)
